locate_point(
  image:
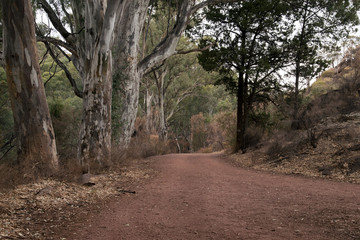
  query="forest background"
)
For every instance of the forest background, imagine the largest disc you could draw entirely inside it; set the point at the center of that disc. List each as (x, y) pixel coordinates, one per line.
(192, 76)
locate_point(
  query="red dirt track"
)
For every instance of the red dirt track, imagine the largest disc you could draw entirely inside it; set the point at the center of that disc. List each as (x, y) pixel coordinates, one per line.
(201, 196)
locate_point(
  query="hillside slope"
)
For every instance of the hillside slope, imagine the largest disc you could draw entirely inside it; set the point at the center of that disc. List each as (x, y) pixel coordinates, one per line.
(327, 144)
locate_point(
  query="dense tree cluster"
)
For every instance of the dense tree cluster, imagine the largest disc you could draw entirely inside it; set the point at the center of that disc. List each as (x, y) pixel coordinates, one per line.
(102, 73)
(256, 41)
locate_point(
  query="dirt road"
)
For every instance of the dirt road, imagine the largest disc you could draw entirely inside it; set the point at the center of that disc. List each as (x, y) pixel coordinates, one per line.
(199, 196)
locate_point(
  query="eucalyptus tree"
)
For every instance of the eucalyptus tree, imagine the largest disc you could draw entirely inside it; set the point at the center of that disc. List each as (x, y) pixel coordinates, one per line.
(321, 25)
(93, 29)
(33, 128)
(169, 83)
(176, 80)
(251, 47)
(133, 66)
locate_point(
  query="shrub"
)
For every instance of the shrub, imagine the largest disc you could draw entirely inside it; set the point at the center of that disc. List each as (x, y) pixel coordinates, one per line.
(143, 144)
(66, 119)
(226, 121)
(198, 132)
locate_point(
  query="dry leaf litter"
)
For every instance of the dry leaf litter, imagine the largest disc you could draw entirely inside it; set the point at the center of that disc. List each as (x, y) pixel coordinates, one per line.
(28, 211)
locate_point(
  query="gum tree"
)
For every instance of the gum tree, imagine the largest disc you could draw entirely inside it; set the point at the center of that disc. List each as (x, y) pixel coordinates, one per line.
(97, 28)
(33, 128)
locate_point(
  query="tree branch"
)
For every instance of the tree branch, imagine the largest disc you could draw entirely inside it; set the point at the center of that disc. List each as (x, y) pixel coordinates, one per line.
(195, 50)
(57, 42)
(44, 57)
(67, 72)
(167, 47)
(67, 16)
(55, 20)
(51, 74)
(209, 3)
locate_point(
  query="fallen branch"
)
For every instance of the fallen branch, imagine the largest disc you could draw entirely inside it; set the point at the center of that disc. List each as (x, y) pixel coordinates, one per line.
(126, 191)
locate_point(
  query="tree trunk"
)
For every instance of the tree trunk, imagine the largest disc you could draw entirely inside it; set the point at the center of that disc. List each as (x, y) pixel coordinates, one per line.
(163, 129)
(131, 69)
(130, 106)
(241, 99)
(127, 50)
(295, 120)
(245, 117)
(34, 132)
(302, 45)
(240, 114)
(160, 84)
(178, 145)
(148, 111)
(95, 147)
(95, 67)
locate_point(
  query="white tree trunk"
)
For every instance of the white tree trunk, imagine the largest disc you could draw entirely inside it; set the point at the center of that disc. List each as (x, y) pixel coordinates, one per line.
(127, 50)
(161, 91)
(97, 23)
(148, 110)
(130, 107)
(95, 67)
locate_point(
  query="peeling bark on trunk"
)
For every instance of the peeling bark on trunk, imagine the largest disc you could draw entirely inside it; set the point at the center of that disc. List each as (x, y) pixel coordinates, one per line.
(37, 153)
(132, 69)
(130, 107)
(96, 123)
(127, 55)
(94, 64)
(127, 50)
(97, 23)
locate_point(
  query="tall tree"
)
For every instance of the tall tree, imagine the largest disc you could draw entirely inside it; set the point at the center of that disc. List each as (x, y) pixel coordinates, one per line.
(33, 128)
(175, 80)
(133, 68)
(250, 50)
(321, 24)
(95, 27)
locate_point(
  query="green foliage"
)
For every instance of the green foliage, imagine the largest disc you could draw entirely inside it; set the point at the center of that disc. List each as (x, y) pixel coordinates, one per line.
(57, 85)
(66, 118)
(262, 119)
(64, 106)
(249, 47)
(198, 132)
(321, 27)
(56, 109)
